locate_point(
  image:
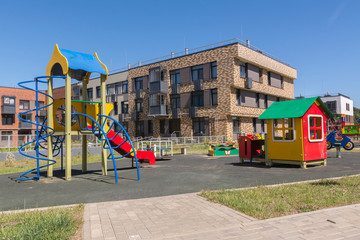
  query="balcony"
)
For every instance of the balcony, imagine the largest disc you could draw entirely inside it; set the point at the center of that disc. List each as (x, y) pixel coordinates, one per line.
(198, 85)
(193, 112)
(159, 110)
(175, 113)
(25, 125)
(158, 87)
(8, 109)
(175, 88)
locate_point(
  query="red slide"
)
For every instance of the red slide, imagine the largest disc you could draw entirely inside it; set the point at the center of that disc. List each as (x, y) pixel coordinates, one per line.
(126, 148)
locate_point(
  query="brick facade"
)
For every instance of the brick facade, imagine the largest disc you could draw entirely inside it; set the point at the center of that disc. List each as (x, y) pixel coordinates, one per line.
(15, 128)
(228, 80)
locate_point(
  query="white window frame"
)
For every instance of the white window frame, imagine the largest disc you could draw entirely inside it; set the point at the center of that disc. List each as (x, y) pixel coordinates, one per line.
(322, 128)
(294, 132)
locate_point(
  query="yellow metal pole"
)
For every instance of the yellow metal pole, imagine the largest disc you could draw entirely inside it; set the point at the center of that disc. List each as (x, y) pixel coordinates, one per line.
(50, 119)
(84, 137)
(103, 112)
(68, 126)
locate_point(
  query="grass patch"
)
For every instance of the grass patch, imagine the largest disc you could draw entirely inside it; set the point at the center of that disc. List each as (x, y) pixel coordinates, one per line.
(25, 165)
(268, 202)
(60, 223)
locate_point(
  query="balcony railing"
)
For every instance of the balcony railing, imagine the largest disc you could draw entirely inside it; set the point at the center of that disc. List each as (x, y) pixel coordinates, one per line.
(8, 109)
(158, 87)
(25, 125)
(158, 110)
(200, 49)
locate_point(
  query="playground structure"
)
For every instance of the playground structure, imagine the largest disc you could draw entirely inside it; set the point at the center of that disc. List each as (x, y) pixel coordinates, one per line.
(223, 149)
(296, 134)
(67, 117)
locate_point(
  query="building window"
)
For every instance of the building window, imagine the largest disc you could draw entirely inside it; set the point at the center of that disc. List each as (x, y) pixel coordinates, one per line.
(213, 68)
(139, 105)
(9, 101)
(139, 126)
(197, 73)
(124, 87)
(117, 88)
(115, 108)
(278, 99)
(6, 135)
(347, 107)
(41, 104)
(175, 101)
(98, 92)
(175, 77)
(197, 99)
(236, 124)
(258, 100)
(260, 75)
(124, 107)
(214, 97)
(150, 127)
(138, 83)
(283, 129)
(7, 119)
(89, 93)
(269, 78)
(162, 126)
(199, 126)
(282, 81)
(108, 87)
(238, 97)
(266, 101)
(254, 125)
(315, 128)
(262, 126)
(24, 105)
(331, 106)
(243, 70)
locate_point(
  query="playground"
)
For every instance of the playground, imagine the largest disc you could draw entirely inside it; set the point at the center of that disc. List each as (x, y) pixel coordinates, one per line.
(168, 177)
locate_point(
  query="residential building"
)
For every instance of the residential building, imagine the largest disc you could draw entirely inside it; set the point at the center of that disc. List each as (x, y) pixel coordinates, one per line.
(116, 93)
(218, 91)
(13, 102)
(340, 105)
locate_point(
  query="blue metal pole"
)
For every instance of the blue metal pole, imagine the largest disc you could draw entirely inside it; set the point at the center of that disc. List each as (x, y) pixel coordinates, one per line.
(37, 127)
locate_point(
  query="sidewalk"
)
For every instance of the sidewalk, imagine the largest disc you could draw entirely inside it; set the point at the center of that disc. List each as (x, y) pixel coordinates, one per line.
(188, 216)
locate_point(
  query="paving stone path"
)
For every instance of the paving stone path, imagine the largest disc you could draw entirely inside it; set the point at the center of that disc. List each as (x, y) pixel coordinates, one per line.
(188, 216)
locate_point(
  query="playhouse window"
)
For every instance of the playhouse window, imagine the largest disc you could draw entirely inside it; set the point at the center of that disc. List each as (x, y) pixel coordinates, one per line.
(315, 128)
(283, 129)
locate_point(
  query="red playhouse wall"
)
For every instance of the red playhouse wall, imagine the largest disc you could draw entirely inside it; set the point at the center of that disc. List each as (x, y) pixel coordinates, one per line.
(314, 150)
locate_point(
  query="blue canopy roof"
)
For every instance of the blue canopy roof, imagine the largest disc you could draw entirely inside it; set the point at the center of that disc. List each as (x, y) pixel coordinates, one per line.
(82, 61)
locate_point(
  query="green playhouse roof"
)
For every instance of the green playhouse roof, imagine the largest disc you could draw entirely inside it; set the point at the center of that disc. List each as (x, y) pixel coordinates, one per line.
(293, 108)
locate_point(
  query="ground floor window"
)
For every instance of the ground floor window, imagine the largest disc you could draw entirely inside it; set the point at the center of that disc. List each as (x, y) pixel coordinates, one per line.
(236, 124)
(200, 125)
(6, 135)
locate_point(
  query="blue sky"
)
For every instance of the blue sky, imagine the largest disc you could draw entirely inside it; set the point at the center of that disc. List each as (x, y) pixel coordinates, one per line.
(319, 38)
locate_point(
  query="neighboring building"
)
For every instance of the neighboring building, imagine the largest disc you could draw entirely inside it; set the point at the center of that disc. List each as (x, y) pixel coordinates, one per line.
(220, 91)
(340, 105)
(116, 93)
(59, 93)
(13, 102)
